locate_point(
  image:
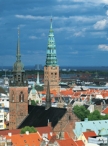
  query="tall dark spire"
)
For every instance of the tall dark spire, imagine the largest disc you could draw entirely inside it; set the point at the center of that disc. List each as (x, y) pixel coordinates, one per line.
(18, 55)
(48, 97)
(18, 68)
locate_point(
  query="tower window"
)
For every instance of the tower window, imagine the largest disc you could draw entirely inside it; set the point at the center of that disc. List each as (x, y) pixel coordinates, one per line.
(13, 96)
(21, 97)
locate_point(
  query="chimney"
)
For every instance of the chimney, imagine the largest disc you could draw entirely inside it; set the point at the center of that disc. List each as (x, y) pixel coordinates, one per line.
(50, 124)
(10, 134)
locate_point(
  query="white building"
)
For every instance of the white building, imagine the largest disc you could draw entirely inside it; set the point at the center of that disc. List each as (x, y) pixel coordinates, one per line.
(1, 119)
(33, 95)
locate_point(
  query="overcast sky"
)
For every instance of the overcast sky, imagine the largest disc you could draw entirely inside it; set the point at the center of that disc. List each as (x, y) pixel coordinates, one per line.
(80, 29)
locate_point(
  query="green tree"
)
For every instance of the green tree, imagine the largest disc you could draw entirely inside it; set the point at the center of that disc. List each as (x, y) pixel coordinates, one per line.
(37, 102)
(33, 102)
(27, 128)
(94, 116)
(97, 116)
(81, 112)
(39, 88)
(105, 117)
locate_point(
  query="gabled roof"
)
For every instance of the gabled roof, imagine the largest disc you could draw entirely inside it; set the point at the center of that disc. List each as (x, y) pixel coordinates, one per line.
(98, 126)
(80, 143)
(105, 111)
(38, 116)
(24, 139)
(67, 142)
(13, 131)
(88, 134)
(45, 129)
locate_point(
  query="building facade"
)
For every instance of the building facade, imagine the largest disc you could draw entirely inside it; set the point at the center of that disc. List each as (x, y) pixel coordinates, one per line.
(51, 68)
(18, 92)
(1, 118)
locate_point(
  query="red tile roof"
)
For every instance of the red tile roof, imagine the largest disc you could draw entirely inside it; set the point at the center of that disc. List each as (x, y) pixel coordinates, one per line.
(80, 143)
(67, 142)
(66, 135)
(13, 131)
(23, 139)
(43, 130)
(87, 134)
(105, 111)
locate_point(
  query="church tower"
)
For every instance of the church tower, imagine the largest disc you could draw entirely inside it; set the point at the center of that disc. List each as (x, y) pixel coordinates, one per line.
(51, 68)
(18, 92)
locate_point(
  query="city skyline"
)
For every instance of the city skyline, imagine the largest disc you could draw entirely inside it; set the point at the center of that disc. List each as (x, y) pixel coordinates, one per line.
(80, 29)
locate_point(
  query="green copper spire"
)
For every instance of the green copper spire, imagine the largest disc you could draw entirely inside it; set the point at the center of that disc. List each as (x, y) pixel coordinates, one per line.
(51, 59)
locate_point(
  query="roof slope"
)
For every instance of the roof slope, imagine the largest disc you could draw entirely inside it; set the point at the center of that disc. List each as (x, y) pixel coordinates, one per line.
(105, 111)
(13, 131)
(38, 116)
(80, 143)
(45, 129)
(98, 126)
(67, 142)
(24, 139)
(88, 134)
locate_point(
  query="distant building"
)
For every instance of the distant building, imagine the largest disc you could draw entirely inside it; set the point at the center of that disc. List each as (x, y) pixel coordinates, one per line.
(1, 118)
(33, 95)
(51, 68)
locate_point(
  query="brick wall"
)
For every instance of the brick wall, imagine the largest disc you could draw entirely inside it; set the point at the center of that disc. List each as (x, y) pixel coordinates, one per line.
(18, 110)
(67, 123)
(52, 74)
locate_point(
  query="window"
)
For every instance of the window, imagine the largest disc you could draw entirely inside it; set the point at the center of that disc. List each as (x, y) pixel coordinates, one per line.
(13, 96)
(21, 97)
(1, 116)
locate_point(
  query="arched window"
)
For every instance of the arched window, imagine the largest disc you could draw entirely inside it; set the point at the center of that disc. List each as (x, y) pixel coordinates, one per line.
(13, 97)
(21, 97)
(69, 117)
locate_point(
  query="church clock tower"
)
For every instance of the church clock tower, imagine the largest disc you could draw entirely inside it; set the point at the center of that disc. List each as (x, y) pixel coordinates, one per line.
(18, 92)
(51, 68)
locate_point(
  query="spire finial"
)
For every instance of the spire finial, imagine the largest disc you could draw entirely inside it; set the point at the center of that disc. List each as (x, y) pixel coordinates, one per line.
(18, 31)
(51, 19)
(18, 46)
(51, 23)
